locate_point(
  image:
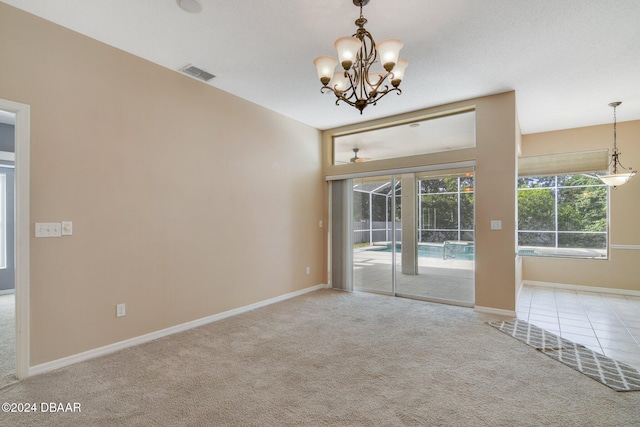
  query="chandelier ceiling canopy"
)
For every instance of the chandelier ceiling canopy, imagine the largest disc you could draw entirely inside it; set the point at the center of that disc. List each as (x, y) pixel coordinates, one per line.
(358, 84)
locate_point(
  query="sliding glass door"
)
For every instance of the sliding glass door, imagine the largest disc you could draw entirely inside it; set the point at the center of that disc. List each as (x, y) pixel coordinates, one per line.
(374, 223)
(445, 249)
(413, 235)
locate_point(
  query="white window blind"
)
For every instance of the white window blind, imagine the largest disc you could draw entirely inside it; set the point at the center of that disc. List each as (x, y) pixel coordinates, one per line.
(449, 173)
(564, 163)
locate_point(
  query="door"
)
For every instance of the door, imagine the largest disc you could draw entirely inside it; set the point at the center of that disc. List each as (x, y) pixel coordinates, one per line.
(441, 265)
(374, 225)
(413, 235)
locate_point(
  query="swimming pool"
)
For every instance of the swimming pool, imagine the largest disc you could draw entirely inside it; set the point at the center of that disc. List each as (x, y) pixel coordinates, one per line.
(452, 250)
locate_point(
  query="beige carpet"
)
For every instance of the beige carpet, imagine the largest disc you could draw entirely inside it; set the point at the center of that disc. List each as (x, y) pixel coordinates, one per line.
(329, 358)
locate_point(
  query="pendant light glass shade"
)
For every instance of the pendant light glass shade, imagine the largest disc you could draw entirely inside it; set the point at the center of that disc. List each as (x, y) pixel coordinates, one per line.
(339, 82)
(325, 66)
(389, 50)
(617, 179)
(347, 48)
(374, 81)
(398, 72)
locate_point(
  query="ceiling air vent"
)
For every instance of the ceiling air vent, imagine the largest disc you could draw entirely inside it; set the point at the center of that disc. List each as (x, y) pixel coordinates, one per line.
(197, 73)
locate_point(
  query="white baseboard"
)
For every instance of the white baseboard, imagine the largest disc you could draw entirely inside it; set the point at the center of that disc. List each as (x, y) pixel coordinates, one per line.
(111, 348)
(8, 291)
(582, 288)
(518, 292)
(497, 311)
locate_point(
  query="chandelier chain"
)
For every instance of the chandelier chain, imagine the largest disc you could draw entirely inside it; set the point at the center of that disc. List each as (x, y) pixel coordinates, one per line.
(615, 153)
(615, 131)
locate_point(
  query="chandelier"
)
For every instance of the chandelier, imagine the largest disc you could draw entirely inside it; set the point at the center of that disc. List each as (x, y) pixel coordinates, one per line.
(615, 179)
(358, 85)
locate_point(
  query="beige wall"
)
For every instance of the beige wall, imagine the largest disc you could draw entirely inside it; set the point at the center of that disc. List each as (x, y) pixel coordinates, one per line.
(186, 201)
(622, 269)
(495, 156)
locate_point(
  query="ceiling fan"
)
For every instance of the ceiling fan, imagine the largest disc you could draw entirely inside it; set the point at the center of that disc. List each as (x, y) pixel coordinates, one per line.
(356, 159)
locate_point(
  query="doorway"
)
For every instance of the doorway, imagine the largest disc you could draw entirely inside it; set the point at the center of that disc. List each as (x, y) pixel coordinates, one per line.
(7, 253)
(15, 242)
(412, 235)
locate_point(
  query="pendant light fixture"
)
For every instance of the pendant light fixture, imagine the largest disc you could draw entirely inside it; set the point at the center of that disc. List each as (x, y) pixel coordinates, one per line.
(358, 85)
(615, 179)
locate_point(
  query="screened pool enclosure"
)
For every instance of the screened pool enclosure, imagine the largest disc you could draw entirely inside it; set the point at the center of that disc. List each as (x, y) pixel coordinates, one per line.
(411, 234)
(445, 215)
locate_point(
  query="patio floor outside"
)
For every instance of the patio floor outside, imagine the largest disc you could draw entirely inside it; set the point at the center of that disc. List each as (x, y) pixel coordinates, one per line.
(447, 280)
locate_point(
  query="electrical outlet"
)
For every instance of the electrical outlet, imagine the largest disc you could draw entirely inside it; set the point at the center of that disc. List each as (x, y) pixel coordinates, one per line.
(120, 310)
(308, 270)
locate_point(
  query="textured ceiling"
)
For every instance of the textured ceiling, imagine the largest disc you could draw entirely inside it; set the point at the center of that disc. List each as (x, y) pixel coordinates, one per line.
(566, 59)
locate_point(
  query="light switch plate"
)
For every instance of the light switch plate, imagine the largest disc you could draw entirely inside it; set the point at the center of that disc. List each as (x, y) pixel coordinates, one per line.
(496, 224)
(48, 229)
(121, 310)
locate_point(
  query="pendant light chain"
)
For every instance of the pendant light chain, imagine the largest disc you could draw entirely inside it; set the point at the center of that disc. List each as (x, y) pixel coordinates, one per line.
(615, 144)
(615, 179)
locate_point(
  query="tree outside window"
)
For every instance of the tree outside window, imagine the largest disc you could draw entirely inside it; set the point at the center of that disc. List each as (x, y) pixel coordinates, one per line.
(446, 209)
(566, 214)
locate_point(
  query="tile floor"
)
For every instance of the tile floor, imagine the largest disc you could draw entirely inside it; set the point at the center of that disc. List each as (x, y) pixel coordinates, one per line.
(606, 323)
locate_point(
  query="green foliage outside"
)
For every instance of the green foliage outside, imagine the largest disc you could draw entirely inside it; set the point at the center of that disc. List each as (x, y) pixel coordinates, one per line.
(439, 200)
(581, 207)
(440, 218)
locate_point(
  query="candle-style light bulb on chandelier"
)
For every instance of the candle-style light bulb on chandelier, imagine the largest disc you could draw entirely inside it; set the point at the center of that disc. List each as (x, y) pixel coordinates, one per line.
(358, 85)
(615, 179)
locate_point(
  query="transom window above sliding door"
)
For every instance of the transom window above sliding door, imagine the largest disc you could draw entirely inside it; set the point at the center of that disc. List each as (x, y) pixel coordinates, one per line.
(436, 134)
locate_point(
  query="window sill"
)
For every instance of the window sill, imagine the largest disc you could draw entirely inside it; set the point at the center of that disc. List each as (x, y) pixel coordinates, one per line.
(573, 253)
